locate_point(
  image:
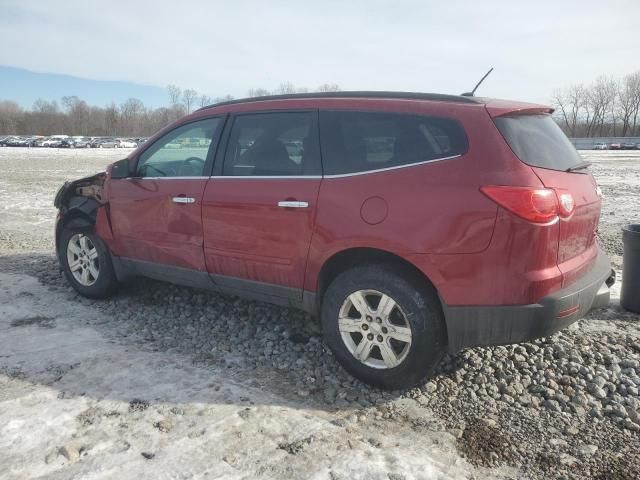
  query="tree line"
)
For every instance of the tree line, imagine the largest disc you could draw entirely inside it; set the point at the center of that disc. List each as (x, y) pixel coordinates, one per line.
(132, 118)
(608, 107)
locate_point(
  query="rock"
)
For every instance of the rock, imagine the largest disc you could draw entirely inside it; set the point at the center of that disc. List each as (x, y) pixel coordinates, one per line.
(70, 452)
(165, 425)
(630, 425)
(596, 391)
(579, 399)
(396, 476)
(430, 388)
(571, 430)
(525, 399)
(566, 459)
(552, 405)
(51, 457)
(587, 450)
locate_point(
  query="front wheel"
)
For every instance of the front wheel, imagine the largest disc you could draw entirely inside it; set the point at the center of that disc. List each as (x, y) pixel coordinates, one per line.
(86, 263)
(385, 327)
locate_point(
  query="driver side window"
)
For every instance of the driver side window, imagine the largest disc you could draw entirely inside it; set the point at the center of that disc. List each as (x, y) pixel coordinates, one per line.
(182, 152)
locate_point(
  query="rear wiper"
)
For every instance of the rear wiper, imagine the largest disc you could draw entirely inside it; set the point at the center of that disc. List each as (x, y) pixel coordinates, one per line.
(580, 166)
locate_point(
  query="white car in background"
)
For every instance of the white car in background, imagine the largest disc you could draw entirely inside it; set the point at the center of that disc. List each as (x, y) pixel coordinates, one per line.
(600, 146)
(128, 144)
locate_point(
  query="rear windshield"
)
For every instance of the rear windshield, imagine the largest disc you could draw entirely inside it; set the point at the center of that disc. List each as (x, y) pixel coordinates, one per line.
(538, 141)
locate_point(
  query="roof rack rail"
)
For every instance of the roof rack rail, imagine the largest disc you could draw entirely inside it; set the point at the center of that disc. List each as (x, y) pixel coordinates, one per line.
(353, 94)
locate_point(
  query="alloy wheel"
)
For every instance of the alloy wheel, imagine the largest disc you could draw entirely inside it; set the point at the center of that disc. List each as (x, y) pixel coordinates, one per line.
(374, 329)
(83, 259)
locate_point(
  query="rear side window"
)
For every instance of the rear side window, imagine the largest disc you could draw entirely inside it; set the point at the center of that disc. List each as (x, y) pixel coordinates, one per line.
(273, 144)
(355, 142)
(538, 141)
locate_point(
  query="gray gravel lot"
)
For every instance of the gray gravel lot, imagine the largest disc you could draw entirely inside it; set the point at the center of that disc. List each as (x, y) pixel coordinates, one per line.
(179, 381)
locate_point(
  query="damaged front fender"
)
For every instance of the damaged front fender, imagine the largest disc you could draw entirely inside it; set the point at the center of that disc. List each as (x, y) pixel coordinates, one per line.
(87, 188)
(78, 203)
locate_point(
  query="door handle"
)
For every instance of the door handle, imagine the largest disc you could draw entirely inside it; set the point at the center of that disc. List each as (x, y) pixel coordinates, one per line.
(184, 200)
(293, 204)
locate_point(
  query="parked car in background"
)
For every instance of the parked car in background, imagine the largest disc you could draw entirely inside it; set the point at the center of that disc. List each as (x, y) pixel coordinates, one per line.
(600, 146)
(614, 146)
(82, 142)
(129, 143)
(68, 143)
(19, 142)
(108, 143)
(405, 221)
(628, 146)
(53, 141)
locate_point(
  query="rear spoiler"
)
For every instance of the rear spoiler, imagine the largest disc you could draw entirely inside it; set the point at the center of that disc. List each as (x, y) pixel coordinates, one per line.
(499, 108)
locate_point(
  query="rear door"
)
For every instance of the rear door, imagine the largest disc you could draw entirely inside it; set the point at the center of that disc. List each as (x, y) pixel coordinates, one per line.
(259, 207)
(156, 215)
(539, 142)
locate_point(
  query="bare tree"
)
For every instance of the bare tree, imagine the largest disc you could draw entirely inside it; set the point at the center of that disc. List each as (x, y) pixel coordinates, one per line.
(131, 113)
(226, 98)
(600, 102)
(111, 119)
(285, 88)
(205, 100)
(569, 103)
(10, 116)
(258, 92)
(174, 94)
(633, 82)
(188, 98)
(328, 87)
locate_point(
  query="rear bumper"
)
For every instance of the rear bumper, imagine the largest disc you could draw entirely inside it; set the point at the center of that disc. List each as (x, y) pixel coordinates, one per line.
(469, 326)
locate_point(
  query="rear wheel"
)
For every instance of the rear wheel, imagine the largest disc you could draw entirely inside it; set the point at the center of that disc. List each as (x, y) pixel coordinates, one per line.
(384, 327)
(86, 263)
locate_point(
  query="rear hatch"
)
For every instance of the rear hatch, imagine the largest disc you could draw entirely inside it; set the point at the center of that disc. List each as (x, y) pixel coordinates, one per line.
(538, 141)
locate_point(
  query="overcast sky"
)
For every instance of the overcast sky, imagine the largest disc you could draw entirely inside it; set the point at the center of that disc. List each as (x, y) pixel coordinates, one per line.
(220, 47)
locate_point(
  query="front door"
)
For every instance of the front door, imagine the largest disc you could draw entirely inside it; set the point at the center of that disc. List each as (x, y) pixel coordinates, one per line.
(259, 209)
(156, 215)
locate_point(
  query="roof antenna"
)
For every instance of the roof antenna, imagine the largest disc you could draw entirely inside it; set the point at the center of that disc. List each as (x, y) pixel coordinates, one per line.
(470, 94)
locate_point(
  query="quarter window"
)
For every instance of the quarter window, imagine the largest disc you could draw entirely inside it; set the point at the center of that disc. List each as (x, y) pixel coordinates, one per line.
(273, 144)
(183, 152)
(363, 141)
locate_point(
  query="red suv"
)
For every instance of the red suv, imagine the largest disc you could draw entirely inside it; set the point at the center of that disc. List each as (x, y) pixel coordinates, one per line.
(411, 223)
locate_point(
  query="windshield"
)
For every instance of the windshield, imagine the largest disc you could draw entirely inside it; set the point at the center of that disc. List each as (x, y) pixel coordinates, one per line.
(538, 141)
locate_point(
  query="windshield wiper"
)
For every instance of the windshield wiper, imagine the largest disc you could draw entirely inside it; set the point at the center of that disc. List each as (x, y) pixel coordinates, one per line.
(580, 166)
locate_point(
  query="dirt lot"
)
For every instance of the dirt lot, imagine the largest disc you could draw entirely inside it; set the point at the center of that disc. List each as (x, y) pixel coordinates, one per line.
(171, 382)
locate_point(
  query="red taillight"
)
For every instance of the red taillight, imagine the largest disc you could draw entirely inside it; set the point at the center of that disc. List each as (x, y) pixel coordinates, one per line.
(534, 204)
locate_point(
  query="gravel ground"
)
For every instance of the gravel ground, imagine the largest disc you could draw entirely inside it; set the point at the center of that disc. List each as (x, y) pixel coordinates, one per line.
(566, 406)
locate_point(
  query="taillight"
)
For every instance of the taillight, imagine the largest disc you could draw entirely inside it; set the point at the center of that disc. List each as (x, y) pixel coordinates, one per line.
(538, 205)
(566, 203)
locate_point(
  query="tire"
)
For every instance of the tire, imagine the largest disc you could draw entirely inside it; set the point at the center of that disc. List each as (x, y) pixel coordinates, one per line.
(100, 285)
(417, 307)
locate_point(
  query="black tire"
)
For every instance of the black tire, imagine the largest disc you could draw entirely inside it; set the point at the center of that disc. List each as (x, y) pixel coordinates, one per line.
(106, 282)
(421, 306)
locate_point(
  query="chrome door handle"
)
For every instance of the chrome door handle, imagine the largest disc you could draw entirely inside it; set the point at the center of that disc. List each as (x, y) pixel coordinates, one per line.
(293, 204)
(184, 200)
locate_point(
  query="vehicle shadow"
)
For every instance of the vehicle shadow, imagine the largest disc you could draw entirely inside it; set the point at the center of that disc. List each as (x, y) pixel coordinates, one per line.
(160, 342)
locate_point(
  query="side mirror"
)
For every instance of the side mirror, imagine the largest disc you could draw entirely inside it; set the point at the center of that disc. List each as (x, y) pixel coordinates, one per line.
(121, 169)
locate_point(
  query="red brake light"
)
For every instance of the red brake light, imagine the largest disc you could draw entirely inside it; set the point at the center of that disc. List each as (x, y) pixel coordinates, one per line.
(534, 204)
